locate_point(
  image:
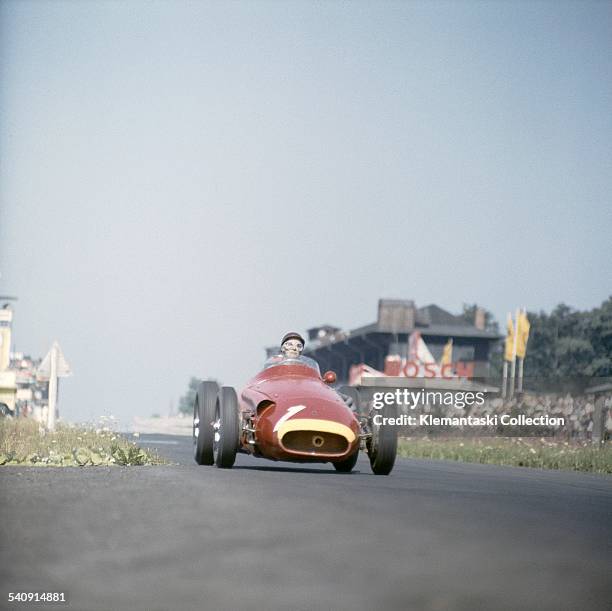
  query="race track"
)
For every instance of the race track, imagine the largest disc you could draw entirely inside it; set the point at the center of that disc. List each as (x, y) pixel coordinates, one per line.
(272, 536)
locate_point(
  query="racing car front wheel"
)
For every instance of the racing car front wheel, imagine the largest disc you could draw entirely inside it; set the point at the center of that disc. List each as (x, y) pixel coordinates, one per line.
(226, 428)
(203, 418)
(382, 446)
(347, 465)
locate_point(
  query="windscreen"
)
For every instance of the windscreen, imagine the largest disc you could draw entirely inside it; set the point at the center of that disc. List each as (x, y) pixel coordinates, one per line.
(279, 359)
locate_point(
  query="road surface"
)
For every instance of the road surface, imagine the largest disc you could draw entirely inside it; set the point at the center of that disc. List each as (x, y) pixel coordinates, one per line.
(432, 536)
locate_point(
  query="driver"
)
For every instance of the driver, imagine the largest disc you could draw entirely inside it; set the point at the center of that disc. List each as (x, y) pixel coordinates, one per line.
(292, 345)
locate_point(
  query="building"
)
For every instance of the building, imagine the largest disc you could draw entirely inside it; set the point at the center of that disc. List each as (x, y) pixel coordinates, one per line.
(32, 395)
(8, 386)
(22, 392)
(398, 323)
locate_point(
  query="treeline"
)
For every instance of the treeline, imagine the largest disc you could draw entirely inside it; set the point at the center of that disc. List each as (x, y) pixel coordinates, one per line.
(185, 405)
(568, 343)
(566, 348)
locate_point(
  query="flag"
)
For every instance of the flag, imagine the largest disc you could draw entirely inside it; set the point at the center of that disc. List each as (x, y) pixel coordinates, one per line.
(418, 350)
(522, 334)
(509, 352)
(447, 353)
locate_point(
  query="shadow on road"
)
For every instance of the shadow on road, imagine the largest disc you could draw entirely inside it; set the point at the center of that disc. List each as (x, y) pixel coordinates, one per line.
(291, 470)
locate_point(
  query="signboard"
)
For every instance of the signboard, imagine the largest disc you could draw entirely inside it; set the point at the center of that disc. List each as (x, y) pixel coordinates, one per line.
(62, 367)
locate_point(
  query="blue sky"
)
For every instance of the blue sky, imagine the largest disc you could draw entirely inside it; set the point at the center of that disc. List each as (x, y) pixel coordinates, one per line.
(183, 182)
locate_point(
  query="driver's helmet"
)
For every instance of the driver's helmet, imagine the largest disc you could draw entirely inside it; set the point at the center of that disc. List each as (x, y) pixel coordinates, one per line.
(292, 335)
(292, 345)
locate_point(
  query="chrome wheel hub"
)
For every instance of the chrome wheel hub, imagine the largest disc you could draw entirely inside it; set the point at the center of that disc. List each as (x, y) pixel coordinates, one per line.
(217, 433)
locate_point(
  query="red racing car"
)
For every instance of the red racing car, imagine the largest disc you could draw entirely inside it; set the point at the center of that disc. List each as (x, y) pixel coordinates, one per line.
(289, 412)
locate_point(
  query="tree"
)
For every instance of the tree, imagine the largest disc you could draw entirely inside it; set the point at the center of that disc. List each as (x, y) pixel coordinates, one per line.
(570, 346)
(186, 402)
(599, 333)
(566, 349)
(469, 315)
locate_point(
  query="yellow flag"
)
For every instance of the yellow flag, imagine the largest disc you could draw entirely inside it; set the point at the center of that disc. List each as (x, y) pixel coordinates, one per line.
(447, 354)
(509, 351)
(522, 335)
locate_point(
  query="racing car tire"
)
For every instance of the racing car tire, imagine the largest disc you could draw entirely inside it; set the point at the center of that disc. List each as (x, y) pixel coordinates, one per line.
(353, 393)
(382, 448)
(203, 416)
(347, 465)
(228, 431)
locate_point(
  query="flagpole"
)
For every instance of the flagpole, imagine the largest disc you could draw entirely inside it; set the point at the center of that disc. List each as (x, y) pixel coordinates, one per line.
(513, 371)
(504, 378)
(52, 390)
(521, 361)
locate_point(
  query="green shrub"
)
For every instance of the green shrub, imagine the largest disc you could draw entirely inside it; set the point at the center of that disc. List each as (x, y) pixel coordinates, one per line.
(25, 442)
(513, 451)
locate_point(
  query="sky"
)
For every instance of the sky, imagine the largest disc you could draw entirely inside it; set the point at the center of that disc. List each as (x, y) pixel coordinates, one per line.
(183, 182)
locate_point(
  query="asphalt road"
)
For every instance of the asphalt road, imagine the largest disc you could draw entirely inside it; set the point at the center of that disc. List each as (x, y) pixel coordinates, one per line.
(271, 536)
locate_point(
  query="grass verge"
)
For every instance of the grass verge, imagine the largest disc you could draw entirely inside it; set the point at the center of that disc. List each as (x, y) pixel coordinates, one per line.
(25, 442)
(538, 452)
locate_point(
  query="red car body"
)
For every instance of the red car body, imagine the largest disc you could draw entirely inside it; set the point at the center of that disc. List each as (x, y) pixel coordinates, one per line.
(292, 414)
(289, 412)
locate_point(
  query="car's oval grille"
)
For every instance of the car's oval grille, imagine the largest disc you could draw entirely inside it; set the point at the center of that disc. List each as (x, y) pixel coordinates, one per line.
(315, 442)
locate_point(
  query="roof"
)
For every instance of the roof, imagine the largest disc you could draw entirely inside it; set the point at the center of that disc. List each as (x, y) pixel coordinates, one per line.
(458, 331)
(330, 328)
(444, 331)
(435, 315)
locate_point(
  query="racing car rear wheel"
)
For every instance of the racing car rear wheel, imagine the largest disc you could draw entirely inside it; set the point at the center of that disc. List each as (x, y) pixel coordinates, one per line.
(203, 417)
(382, 447)
(226, 428)
(352, 394)
(347, 465)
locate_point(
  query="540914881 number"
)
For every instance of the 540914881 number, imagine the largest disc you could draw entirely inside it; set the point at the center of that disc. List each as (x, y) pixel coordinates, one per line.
(37, 597)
